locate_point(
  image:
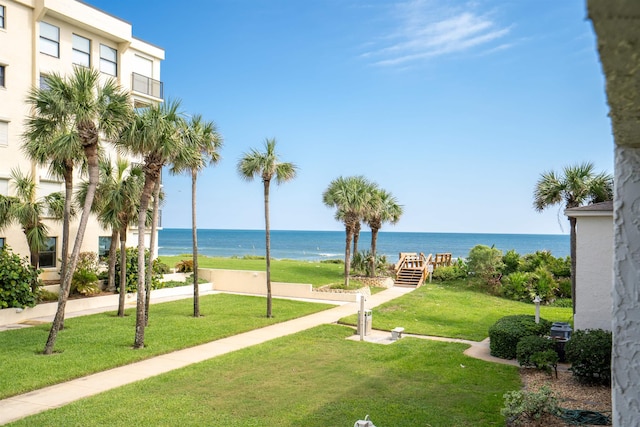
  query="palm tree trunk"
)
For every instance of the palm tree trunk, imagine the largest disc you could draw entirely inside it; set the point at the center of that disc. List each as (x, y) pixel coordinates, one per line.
(66, 220)
(268, 245)
(149, 183)
(374, 242)
(572, 223)
(123, 271)
(347, 255)
(194, 237)
(356, 237)
(113, 246)
(34, 256)
(152, 248)
(91, 153)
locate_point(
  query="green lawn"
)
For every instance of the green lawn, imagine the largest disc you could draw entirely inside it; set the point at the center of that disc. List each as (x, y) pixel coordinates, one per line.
(313, 378)
(289, 271)
(453, 310)
(98, 342)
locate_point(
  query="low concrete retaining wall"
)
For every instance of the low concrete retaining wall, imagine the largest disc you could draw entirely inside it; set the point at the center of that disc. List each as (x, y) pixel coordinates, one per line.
(254, 282)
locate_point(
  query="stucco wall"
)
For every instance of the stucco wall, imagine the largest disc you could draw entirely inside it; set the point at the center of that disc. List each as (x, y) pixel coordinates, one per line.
(594, 272)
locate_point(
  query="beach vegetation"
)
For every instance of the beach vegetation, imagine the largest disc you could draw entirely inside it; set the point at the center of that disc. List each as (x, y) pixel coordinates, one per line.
(154, 134)
(69, 118)
(19, 283)
(485, 263)
(267, 166)
(362, 262)
(202, 144)
(575, 186)
(455, 271)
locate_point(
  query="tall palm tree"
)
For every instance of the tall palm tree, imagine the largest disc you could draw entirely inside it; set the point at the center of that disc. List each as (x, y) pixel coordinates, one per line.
(383, 207)
(576, 186)
(78, 109)
(350, 196)
(267, 166)
(153, 134)
(202, 148)
(26, 209)
(116, 205)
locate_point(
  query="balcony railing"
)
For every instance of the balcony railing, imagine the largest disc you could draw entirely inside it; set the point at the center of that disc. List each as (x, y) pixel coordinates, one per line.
(147, 85)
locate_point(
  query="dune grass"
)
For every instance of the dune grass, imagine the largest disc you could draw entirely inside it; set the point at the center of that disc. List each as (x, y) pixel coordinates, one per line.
(98, 342)
(452, 309)
(313, 378)
(282, 270)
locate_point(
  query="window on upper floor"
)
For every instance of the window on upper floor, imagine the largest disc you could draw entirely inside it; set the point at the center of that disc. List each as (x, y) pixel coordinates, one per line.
(81, 51)
(48, 253)
(108, 60)
(49, 39)
(3, 15)
(2, 70)
(4, 134)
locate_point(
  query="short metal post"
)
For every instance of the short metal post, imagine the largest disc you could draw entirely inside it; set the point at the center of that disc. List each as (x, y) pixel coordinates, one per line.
(361, 316)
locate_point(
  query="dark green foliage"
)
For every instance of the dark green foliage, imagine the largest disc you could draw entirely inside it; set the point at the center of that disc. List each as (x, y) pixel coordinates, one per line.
(529, 346)
(85, 277)
(543, 284)
(564, 287)
(508, 331)
(562, 302)
(559, 267)
(332, 261)
(546, 360)
(516, 286)
(47, 296)
(161, 268)
(511, 261)
(132, 270)
(184, 266)
(361, 263)
(447, 273)
(485, 262)
(589, 352)
(19, 283)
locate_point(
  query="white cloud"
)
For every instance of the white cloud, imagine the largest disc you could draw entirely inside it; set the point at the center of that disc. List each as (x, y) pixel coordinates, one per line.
(422, 29)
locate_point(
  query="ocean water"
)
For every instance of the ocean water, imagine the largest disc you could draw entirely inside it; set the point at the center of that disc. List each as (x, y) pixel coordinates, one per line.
(319, 245)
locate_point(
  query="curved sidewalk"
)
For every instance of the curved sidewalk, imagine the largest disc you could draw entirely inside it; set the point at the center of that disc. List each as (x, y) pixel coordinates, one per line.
(20, 406)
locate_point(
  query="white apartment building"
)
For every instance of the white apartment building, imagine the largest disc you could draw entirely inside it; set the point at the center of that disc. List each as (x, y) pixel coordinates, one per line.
(38, 37)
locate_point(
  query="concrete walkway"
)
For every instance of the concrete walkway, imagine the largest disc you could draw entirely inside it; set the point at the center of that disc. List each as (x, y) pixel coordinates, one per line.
(20, 406)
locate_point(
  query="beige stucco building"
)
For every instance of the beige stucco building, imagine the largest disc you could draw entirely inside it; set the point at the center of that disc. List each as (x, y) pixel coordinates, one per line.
(39, 37)
(594, 265)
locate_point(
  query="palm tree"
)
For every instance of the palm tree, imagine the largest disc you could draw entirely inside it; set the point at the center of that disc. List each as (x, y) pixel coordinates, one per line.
(116, 206)
(77, 110)
(350, 196)
(153, 134)
(383, 207)
(267, 166)
(28, 211)
(576, 186)
(202, 148)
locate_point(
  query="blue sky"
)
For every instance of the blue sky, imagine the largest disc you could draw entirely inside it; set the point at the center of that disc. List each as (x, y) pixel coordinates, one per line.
(455, 107)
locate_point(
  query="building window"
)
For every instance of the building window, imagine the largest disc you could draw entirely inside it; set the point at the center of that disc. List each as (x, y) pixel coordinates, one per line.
(4, 134)
(44, 82)
(49, 39)
(1, 242)
(2, 69)
(81, 51)
(48, 254)
(108, 60)
(104, 244)
(4, 187)
(2, 16)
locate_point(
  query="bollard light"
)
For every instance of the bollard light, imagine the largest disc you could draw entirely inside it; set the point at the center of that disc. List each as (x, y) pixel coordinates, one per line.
(537, 301)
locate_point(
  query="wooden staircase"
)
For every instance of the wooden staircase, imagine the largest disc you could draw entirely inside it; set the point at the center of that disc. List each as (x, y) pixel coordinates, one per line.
(412, 269)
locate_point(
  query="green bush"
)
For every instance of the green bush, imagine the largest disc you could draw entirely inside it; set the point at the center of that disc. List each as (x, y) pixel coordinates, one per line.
(543, 285)
(47, 296)
(526, 406)
(85, 276)
(161, 268)
(511, 262)
(361, 263)
(184, 266)
(589, 352)
(562, 302)
(564, 287)
(485, 262)
(505, 334)
(132, 270)
(546, 360)
(528, 346)
(516, 286)
(447, 273)
(19, 282)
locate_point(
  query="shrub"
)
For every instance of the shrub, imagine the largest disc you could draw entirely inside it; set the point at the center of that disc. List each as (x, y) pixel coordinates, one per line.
(447, 273)
(543, 285)
(85, 276)
(545, 360)
(19, 283)
(589, 352)
(47, 296)
(523, 406)
(132, 270)
(529, 346)
(484, 262)
(505, 334)
(332, 261)
(562, 302)
(160, 267)
(361, 263)
(516, 286)
(511, 262)
(184, 266)
(564, 287)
